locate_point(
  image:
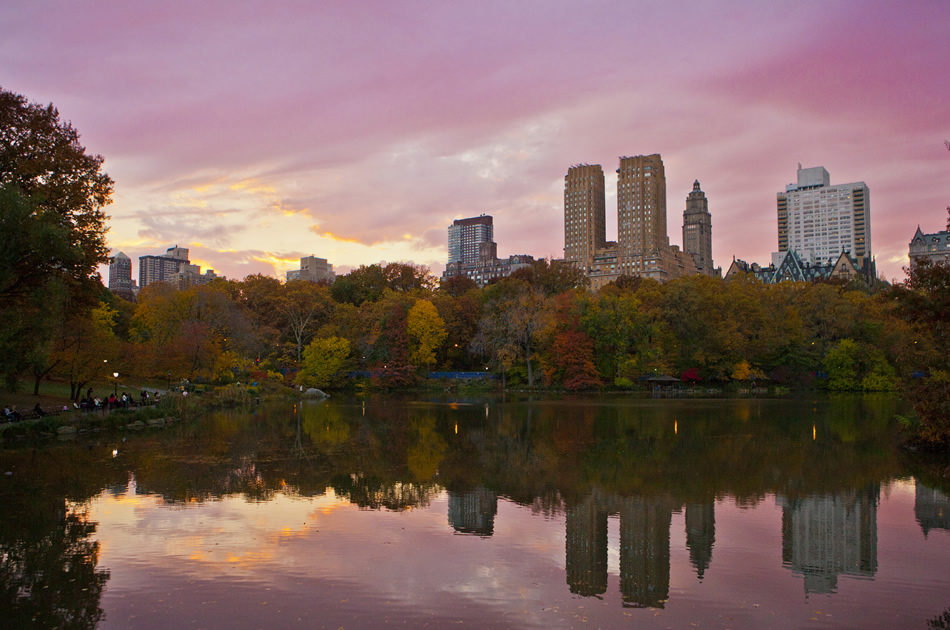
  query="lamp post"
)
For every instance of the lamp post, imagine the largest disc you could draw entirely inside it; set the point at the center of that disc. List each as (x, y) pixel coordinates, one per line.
(115, 390)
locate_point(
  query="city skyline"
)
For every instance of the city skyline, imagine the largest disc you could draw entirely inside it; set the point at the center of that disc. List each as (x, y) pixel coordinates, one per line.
(359, 135)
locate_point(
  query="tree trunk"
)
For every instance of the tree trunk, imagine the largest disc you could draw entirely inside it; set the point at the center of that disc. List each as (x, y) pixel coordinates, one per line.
(530, 372)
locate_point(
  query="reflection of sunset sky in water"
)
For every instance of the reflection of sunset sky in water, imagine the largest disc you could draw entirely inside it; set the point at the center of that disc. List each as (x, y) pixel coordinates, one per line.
(231, 562)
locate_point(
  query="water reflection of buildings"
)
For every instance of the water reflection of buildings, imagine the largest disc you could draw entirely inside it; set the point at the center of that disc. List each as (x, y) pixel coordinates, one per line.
(931, 508)
(586, 546)
(700, 534)
(644, 545)
(473, 512)
(831, 535)
(645, 551)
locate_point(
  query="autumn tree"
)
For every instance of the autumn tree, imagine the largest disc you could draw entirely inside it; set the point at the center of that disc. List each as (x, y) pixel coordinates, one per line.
(461, 315)
(304, 307)
(924, 299)
(569, 352)
(552, 277)
(85, 342)
(457, 286)
(262, 297)
(426, 331)
(186, 330)
(514, 312)
(322, 361)
(368, 283)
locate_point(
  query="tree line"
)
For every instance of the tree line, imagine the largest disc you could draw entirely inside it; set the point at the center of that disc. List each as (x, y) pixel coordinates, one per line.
(540, 328)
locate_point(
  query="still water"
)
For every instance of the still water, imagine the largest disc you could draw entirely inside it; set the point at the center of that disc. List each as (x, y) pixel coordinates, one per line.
(486, 513)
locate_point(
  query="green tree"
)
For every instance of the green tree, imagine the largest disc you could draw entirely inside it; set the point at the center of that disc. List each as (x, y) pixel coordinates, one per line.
(41, 158)
(52, 229)
(322, 360)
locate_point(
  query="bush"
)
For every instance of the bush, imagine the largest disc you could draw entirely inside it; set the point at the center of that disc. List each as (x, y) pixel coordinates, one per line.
(623, 382)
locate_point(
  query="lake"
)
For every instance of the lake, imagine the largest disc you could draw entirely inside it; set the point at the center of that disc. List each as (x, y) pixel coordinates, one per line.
(486, 512)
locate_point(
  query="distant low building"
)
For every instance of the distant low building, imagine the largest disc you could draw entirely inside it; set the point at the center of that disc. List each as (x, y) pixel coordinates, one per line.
(933, 247)
(173, 268)
(190, 275)
(162, 268)
(787, 266)
(313, 269)
(488, 269)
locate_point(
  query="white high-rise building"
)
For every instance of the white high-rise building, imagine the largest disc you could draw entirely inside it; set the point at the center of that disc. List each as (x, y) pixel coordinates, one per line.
(819, 221)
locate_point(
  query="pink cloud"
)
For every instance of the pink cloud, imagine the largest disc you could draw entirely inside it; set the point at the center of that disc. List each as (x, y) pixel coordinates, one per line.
(378, 122)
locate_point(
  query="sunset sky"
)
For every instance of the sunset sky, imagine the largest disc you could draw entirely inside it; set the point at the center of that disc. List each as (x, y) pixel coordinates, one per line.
(256, 133)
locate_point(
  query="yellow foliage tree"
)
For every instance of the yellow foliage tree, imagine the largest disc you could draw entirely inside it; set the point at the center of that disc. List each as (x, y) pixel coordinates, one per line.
(426, 330)
(322, 359)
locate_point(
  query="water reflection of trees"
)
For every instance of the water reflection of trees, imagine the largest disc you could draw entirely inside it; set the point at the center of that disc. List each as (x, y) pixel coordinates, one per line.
(48, 558)
(590, 459)
(540, 454)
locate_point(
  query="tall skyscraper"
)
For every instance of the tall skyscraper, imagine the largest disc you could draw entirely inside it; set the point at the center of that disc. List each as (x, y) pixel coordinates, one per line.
(697, 229)
(820, 221)
(120, 276)
(643, 245)
(641, 211)
(585, 222)
(467, 236)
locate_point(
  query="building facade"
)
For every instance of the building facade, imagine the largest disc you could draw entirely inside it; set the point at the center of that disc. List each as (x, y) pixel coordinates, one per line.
(486, 270)
(697, 230)
(120, 276)
(174, 268)
(789, 267)
(820, 221)
(585, 217)
(466, 237)
(933, 247)
(190, 276)
(162, 268)
(643, 245)
(313, 269)
(831, 535)
(641, 211)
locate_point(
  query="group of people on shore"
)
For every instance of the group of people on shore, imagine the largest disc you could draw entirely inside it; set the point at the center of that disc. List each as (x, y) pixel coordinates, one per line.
(87, 403)
(113, 401)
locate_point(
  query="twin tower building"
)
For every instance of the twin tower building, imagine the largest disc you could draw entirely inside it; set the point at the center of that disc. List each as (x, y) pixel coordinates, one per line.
(643, 245)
